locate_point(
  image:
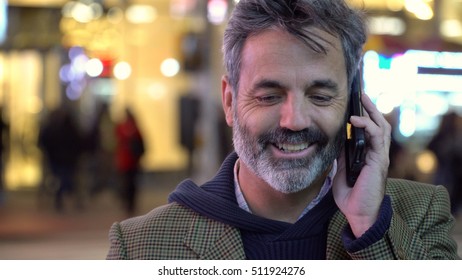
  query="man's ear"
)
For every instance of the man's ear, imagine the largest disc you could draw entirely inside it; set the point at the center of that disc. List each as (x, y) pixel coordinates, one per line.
(227, 100)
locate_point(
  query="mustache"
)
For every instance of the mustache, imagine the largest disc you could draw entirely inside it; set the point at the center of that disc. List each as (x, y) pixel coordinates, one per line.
(284, 135)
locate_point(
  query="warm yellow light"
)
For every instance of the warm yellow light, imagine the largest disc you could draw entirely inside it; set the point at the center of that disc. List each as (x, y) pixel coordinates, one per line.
(122, 70)
(420, 8)
(451, 28)
(426, 162)
(94, 67)
(170, 67)
(141, 14)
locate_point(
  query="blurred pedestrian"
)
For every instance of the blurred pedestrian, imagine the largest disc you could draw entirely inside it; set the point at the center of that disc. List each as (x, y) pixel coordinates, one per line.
(61, 143)
(189, 116)
(446, 144)
(129, 150)
(100, 149)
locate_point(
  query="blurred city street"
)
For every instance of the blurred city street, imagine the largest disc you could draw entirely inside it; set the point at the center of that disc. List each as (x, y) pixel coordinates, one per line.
(30, 229)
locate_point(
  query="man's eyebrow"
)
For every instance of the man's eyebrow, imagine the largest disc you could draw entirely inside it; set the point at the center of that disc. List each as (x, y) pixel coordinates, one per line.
(267, 84)
(326, 84)
(316, 84)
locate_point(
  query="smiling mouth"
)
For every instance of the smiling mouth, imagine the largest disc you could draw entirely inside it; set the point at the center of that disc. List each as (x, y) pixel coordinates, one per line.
(291, 148)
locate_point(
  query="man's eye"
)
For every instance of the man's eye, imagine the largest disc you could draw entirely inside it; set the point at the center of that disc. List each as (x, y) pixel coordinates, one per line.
(268, 99)
(321, 99)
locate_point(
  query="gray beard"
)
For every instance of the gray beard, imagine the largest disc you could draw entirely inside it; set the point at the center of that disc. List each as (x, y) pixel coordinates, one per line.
(286, 176)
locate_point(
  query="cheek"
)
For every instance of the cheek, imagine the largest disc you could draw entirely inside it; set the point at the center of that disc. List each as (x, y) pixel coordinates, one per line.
(257, 120)
(331, 122)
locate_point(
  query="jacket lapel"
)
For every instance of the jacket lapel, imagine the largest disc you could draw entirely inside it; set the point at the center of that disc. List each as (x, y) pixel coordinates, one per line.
(213, 240)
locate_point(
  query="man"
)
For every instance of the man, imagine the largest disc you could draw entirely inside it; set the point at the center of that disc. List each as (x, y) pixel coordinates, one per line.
(284, 194)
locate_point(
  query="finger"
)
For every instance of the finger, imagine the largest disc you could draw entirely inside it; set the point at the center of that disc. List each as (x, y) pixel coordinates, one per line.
(372, 112)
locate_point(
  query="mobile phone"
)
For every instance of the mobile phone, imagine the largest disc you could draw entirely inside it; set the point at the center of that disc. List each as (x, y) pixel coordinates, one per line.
(355, 144)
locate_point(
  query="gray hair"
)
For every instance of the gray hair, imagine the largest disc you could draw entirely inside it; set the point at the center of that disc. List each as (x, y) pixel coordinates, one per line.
(335, 17)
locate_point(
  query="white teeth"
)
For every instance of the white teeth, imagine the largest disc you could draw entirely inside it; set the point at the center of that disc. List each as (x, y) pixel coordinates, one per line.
(292, 148)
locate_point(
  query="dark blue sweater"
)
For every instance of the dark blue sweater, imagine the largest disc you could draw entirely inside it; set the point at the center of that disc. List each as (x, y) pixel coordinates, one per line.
(270, 239)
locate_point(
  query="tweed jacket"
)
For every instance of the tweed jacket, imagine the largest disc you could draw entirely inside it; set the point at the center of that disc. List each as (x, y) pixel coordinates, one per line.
(420, 229)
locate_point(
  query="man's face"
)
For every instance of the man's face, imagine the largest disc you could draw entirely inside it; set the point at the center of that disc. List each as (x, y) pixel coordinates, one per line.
(288, 118)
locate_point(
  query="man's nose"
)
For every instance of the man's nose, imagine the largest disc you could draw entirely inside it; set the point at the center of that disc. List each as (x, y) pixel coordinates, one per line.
(295, 114)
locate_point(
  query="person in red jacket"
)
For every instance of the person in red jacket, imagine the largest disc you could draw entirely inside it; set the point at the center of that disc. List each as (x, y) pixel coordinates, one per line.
(129, 150)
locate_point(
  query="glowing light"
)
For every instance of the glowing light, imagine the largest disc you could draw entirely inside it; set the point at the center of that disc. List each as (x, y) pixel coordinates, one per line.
(387, 26)
(433, 104)
(216, 11)
(426, 162)
(122, 70)
(435, 59)
(423, 84)
(65, 73)
(170, 67)
(407, 125)
(387, 102)
(94, 67)
(451, 28)
(141, 14)
(371, 74)
(420, 9)
(79, 65)
(455, 99)
(75, 51)
(82, 11)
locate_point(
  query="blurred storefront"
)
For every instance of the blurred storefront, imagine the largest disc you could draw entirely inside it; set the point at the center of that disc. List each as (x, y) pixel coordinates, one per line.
(150, 54)
(143, 54)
